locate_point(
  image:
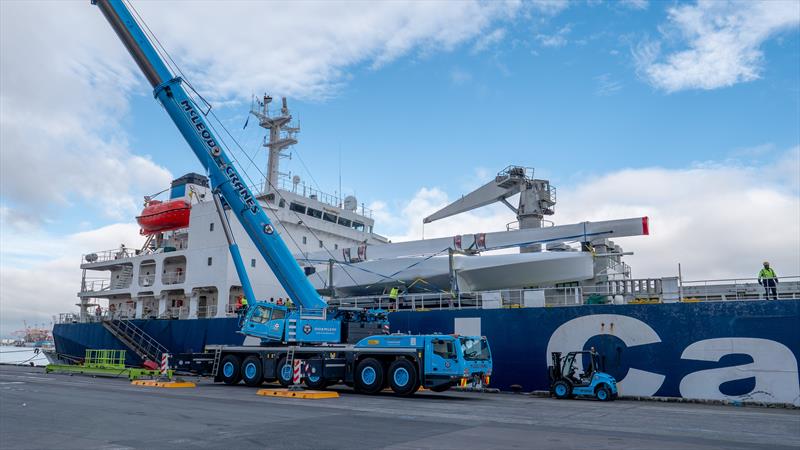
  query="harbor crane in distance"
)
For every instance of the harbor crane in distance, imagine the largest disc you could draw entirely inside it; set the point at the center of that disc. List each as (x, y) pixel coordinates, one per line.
(337, 344)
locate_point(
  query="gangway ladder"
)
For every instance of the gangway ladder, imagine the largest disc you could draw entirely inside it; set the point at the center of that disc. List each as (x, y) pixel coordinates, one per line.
(124, 279)
(217, 357)
(133, 337)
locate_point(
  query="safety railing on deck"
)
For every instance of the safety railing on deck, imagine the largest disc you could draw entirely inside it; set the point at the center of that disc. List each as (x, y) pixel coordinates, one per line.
(108, 255)
(615, 292)
(175, 312)
(738, 289)
(173, 277)
(635, 291)
(206, 311)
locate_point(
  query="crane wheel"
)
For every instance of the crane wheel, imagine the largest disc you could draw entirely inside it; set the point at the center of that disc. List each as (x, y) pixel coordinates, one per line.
(403, 377)
(315, 381)
(369, 376)
(284, 372)
(252, 371)
(230, 370)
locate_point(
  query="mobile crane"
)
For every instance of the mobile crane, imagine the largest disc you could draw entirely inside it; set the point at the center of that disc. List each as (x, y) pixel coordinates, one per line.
(337, 344)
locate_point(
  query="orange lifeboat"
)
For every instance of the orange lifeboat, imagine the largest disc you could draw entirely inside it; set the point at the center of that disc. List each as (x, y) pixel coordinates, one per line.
(160, 216)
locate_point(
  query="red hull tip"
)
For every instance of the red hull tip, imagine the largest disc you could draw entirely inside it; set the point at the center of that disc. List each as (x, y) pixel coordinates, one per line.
(645, 226)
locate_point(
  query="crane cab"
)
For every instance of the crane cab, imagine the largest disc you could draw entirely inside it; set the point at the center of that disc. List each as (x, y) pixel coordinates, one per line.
(277, 323)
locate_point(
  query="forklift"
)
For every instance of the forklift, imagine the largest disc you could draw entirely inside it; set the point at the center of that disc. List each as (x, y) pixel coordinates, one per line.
(567, 382)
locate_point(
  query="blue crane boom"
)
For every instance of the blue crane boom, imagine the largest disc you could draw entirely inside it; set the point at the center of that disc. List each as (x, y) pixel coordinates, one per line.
(225, 179)
(405, 362)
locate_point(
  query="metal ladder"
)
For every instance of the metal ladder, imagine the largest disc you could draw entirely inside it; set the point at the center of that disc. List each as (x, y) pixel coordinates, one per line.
(291, 332)
(217, 356)
(136, 339)
(125, 278)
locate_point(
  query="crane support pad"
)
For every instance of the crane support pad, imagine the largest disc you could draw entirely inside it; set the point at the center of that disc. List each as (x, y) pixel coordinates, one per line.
(297, 394)
(164, 384)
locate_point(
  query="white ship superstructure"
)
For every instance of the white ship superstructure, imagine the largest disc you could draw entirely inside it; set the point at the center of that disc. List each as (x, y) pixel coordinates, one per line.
(187, 273)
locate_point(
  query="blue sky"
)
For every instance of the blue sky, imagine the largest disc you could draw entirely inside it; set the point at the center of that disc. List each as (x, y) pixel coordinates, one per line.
(688, 112)
(568, 109)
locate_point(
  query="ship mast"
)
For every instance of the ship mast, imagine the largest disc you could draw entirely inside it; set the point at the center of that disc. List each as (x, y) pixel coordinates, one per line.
(281, 136)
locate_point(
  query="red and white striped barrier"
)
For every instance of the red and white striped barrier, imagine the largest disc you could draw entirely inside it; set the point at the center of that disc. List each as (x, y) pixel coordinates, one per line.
(297, 373)
(164, 364)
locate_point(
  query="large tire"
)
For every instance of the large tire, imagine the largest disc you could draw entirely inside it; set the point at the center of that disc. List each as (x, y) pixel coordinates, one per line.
(562, 390)
(603, 393)
(284, 375)
(369, 376)
(315, 381)
(403, 377)
(230, 370)
(252, 371)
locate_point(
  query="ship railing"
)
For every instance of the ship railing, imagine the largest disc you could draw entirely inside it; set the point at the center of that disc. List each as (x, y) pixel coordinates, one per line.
(147, 280)
(727, 289)
(109, 255)
(95, 285)
(616, 292)
(173, 277)
(230, 309)
(285, 183)
(175, 312)
(207, 311)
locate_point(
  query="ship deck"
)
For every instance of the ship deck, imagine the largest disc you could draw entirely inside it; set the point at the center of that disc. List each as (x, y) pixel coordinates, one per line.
(60, 411)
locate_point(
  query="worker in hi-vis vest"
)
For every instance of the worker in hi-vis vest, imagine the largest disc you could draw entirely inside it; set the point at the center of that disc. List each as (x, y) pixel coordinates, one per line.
(768, 279)
(393, 297)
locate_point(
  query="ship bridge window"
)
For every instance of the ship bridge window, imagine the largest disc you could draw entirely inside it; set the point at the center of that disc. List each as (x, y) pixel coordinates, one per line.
(345, 222)
(358, 226)
(314, 213)
(329, 217)
(296, 207)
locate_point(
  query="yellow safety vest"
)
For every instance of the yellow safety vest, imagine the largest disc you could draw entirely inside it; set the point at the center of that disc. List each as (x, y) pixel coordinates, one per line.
(767, 273)
(393, 293)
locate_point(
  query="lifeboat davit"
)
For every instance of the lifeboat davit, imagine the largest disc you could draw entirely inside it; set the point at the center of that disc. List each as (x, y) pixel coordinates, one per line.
(160, 216)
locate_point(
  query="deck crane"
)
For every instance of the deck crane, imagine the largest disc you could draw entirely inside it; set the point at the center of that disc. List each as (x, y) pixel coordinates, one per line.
(313, 332)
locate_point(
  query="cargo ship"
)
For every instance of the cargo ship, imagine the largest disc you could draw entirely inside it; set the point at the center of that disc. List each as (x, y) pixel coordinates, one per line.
(531, 289)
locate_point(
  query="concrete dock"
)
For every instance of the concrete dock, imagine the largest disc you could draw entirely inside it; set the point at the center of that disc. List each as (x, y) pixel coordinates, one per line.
(59, 411)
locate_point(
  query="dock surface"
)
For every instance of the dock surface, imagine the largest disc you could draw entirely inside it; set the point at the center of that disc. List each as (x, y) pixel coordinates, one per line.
(61, 411)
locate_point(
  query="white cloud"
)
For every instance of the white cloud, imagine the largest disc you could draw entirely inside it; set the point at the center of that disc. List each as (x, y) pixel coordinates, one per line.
(606, 85)
(635, 4)
(303, 49)
(489, 40)
(459, 76)
(558, 39)
(63, 92)
(40, 274)
(724, 42)
(550, 7)
(719, 220)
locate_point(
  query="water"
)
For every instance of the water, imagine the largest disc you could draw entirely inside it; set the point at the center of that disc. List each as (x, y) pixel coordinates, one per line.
(17, 355)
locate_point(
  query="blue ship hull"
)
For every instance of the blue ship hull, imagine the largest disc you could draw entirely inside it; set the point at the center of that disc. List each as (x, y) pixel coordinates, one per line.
(744, 350)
